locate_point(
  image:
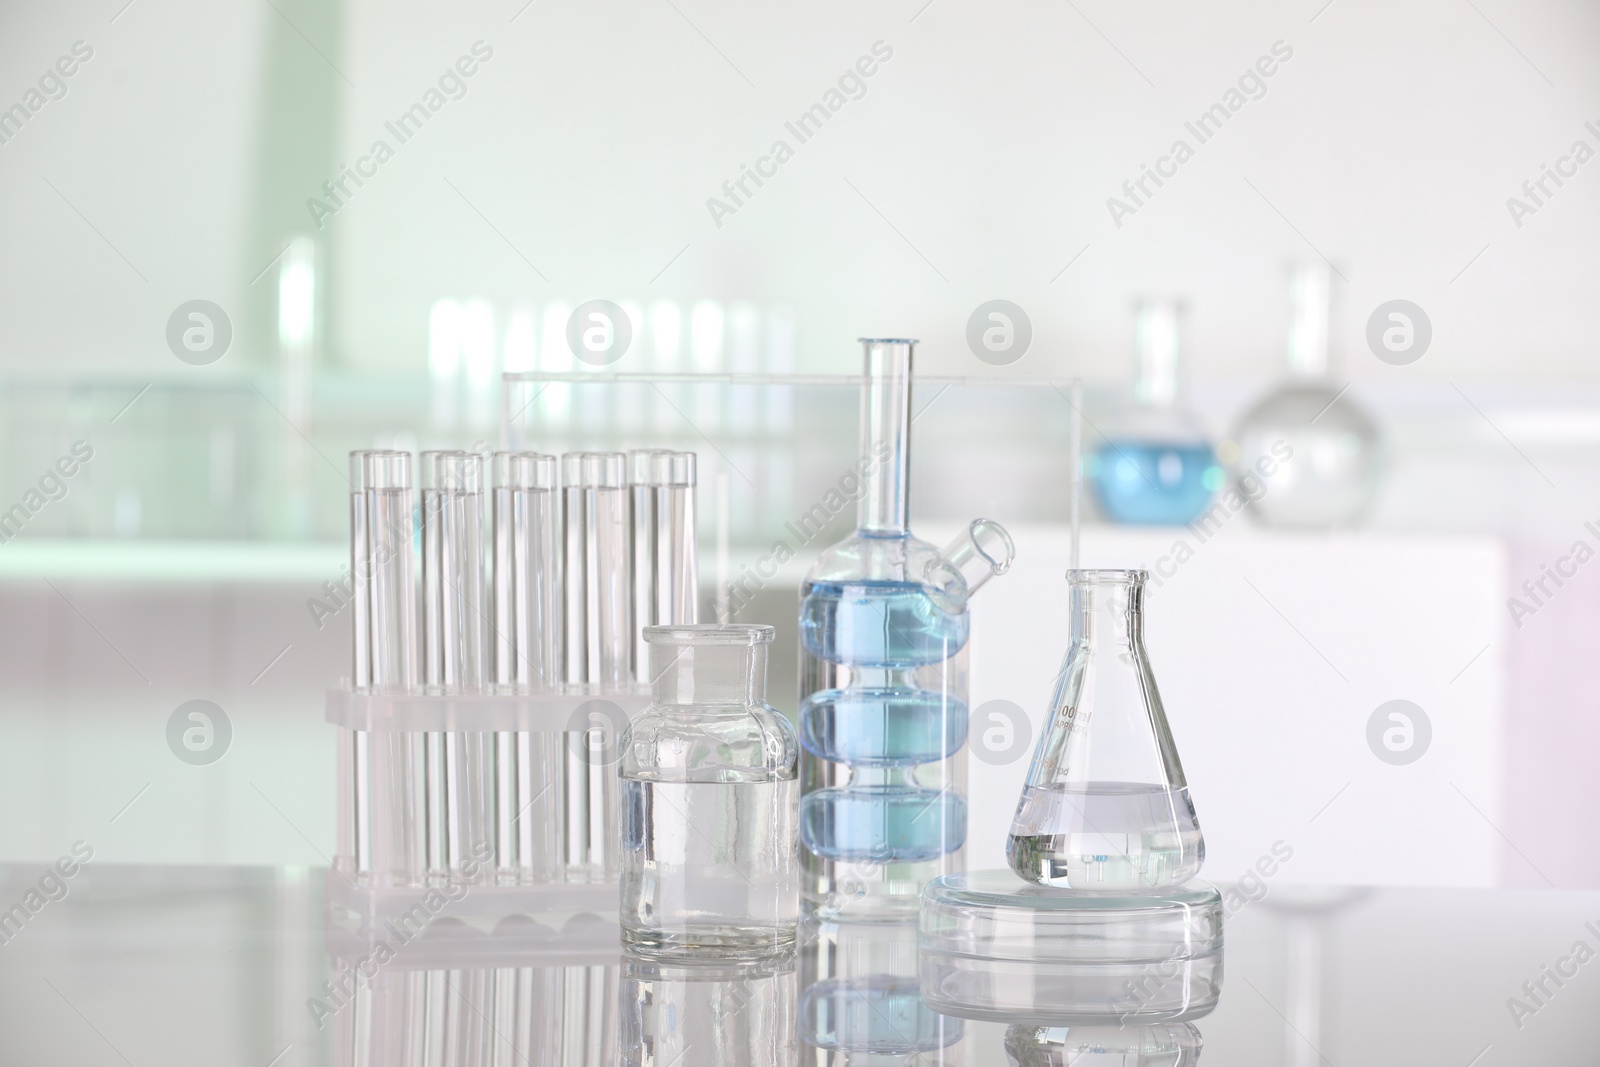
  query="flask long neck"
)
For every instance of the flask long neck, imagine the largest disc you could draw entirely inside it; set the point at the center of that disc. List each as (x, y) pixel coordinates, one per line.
(1310, 289)
(885, 437)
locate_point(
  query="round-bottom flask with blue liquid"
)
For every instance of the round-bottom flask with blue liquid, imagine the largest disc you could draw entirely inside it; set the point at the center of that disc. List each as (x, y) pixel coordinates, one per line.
(1155, 465)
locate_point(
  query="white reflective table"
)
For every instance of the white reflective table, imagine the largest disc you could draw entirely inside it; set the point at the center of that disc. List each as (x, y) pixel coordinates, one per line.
(231, 966)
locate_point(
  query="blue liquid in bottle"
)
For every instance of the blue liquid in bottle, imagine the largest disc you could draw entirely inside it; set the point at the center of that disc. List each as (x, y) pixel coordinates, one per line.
(1154, 483)
(883, 823)
(882, 727)
(887, 629)
(878, 624)
(883, 715)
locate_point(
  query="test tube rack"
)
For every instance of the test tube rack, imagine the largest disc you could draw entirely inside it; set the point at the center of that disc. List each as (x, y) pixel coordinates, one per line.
(477, 749)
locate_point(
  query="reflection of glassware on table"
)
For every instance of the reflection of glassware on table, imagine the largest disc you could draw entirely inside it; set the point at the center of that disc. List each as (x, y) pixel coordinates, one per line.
(1155, 465)
(709, 783)
(724, 1013)
(1308, 912)
(1106, 805)
(994, 947)
(860, 1000)
(1160, 1045)
(466, 998)
(1308, 454)
(883, 714)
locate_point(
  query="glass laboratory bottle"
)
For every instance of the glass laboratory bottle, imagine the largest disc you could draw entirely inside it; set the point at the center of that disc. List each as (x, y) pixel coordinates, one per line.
(883, 679)
(710, 864)
(1309, 455)
(1155, 466)
(1106, 806)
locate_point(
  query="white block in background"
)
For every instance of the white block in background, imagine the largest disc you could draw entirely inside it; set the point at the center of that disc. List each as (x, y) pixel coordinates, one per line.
(1270, 710)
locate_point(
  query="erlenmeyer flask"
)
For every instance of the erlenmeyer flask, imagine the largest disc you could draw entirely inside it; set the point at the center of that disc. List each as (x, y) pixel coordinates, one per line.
(1106, 806)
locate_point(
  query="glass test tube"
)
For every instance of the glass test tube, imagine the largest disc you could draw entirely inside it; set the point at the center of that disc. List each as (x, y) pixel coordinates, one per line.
(597, 643)
(597, 635)
(527, 643)
(384, 629)
(455, 654)
(664, 568)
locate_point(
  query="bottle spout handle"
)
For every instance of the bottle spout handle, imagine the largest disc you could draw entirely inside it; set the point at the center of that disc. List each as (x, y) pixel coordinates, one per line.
(981, 551)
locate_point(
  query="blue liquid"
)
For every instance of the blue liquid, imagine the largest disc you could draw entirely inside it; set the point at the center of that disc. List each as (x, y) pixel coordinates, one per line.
(883, 823)
(878, 624)
(880, 1015)
(1151, 483)
(882, 727)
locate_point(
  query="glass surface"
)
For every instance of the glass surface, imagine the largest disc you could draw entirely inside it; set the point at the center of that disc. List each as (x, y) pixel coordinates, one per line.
(709, 789)
(200, 966)
(884, 627)
(1105, 805)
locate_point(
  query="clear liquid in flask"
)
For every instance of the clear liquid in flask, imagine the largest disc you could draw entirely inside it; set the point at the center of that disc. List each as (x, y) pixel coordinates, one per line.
(1106, 835)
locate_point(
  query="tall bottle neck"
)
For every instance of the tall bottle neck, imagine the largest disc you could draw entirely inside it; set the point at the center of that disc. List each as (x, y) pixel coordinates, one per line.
(716, 674)
(1156, 341)
(885, 436)
(1310, 302)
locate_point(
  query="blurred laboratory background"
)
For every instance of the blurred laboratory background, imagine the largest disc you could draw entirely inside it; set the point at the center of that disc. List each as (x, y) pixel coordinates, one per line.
(1325, 270)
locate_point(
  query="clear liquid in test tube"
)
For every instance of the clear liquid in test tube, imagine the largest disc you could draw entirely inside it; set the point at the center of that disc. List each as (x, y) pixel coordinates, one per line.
(455, 656)
(683, 594)
(664, 571)
(527, 643)
(597, 645)
(384, 661)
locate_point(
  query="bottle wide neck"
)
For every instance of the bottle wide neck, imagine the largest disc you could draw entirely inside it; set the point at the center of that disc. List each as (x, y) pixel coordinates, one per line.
(701, 674)
(885, 437)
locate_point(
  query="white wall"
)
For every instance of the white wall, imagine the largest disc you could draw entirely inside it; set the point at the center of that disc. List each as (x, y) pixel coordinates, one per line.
(1269, 690)
(990, 141)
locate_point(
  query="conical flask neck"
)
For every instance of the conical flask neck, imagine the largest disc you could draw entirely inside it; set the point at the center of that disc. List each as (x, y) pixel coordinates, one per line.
(885, 436)
(1108, 610)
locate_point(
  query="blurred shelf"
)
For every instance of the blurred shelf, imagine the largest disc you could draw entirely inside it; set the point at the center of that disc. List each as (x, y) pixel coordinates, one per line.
(241, 561)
